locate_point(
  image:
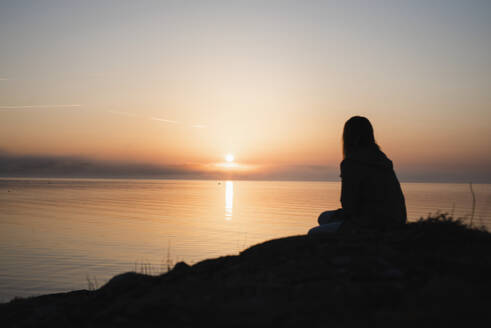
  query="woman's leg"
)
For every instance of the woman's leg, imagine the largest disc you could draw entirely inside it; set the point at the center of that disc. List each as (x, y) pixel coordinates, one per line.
(329, 221)
(328, 227)
(329, 217)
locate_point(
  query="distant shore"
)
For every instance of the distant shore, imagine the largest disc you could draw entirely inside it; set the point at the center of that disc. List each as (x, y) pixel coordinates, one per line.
(432, 271)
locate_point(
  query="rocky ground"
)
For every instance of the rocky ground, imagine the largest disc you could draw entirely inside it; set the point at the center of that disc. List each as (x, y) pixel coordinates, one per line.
(434, 272)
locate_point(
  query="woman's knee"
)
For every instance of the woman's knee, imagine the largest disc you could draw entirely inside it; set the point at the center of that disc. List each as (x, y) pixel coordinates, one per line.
(326, 228)
(328, 217)
(323, 218)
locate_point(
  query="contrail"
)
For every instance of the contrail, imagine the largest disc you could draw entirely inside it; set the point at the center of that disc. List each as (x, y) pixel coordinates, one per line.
(28, 107)
(198, 126)
(117, 112)
(163, 120)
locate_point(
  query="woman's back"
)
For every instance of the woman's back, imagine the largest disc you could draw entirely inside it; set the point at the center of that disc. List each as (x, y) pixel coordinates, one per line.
(371, 194)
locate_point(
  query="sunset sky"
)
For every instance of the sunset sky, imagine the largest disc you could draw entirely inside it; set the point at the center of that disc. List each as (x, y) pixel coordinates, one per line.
(181, 84)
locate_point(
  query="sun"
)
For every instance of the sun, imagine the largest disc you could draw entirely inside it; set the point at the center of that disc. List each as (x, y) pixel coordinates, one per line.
(229, 158)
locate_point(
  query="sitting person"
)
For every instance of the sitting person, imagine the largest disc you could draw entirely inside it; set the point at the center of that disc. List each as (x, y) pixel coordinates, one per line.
(371, 196)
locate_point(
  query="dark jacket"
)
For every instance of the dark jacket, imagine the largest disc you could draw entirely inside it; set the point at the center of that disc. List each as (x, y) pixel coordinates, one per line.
(371, 195)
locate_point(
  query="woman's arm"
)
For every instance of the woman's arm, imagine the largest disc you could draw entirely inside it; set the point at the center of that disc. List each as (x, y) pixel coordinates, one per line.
(350, 189)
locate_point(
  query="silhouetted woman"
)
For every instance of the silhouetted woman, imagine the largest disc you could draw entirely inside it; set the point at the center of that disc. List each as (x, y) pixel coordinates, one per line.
(371, 196)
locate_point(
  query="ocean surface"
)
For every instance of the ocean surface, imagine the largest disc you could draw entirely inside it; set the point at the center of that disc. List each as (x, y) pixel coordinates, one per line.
(58, 235)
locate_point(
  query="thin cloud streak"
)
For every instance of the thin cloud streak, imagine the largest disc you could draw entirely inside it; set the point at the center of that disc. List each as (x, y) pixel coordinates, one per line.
(199, 126)
(152, 118)
(163, 120)
(117, 112)
(42, 106)
(33, 107)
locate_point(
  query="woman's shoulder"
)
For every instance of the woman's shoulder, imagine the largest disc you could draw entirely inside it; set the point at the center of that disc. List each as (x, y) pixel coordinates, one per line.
(367, 157)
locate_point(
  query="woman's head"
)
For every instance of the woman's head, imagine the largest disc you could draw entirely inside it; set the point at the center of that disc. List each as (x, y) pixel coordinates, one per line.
(357, 133)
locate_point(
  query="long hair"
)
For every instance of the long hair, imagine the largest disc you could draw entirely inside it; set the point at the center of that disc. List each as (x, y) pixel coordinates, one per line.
(357, 133)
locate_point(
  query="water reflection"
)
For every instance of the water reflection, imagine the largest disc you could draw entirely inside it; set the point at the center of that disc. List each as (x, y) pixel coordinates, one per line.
(54, 233)
(229, 199)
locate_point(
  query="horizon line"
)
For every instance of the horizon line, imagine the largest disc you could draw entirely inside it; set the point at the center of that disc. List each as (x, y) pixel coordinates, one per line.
(129, 177)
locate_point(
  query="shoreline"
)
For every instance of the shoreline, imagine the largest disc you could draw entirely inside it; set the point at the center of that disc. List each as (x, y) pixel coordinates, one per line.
(435, 269)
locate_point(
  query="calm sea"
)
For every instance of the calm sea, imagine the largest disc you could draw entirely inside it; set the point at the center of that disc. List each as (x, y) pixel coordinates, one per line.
(58, 234)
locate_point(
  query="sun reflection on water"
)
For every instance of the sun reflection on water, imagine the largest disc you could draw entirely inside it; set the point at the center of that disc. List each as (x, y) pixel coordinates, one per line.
(229, 199)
